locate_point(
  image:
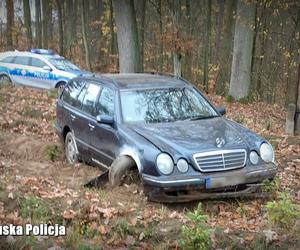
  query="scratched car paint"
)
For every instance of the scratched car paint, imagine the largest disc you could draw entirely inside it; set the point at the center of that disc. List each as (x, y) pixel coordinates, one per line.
(183, 146)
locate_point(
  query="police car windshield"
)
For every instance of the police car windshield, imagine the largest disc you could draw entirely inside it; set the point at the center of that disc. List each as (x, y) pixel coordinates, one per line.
(63, 64)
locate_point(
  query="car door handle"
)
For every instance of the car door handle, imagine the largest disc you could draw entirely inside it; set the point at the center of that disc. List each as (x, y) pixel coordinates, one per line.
(73, 117)
(91, 126)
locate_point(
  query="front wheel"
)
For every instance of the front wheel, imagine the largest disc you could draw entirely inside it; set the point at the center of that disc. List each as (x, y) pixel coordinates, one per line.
(71, 149)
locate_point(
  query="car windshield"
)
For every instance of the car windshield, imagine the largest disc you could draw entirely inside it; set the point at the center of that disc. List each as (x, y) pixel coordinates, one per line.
(164, 105)
(63, 64)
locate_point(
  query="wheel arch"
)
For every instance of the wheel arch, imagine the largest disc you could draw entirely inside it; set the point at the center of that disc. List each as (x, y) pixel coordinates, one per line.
(132, 153)
(60, 82)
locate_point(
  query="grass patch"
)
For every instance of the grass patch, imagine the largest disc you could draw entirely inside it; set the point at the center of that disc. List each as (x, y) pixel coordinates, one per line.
(198, 234)
(283, 213)
(36, 209)
(123, 228)
(229, 99)
(240, 119)
(52, 152)
(32, 113)
(271, 186)
(53, 94)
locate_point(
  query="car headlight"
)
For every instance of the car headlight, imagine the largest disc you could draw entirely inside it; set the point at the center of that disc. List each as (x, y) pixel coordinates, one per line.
(165, 163)
(253, 157)
(182, 165)
(267, 152)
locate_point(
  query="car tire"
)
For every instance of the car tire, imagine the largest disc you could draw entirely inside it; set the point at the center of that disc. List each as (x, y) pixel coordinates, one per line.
(71, 149)
(60, 86)
(118, 170)
(5, 80)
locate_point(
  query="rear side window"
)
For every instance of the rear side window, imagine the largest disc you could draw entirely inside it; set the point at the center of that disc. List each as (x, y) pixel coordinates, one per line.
(78, 102)
(105, 105)
(22, 60)
(90, 97)
(35, 62)
(8, 59)
(71, 92)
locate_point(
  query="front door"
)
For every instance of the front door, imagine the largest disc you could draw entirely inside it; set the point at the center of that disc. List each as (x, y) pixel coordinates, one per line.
(104, 140)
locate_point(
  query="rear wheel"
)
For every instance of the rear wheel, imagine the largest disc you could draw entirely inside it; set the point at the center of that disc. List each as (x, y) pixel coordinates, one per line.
(5, 80)
(60, 86)
(71, 149)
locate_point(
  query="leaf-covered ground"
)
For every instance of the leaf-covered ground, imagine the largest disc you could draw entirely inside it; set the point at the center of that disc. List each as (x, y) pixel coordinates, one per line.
(38, 186)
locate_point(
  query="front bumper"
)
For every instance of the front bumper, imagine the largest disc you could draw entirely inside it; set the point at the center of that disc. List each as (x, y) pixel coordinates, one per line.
(233, 183)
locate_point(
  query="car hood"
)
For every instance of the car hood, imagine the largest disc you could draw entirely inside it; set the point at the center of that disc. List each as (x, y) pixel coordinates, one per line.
(188, 137)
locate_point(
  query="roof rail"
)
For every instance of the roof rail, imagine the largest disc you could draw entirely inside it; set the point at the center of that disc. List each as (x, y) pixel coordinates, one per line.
(167, 74)
(106, 77)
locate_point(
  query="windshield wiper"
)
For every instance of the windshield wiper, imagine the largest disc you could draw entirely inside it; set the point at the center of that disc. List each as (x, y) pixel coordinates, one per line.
(202, 117)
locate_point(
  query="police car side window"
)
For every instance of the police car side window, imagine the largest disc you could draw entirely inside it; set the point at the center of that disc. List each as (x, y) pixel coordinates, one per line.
(22, 60)
(71, 92)
(37, 63)
(8, 59)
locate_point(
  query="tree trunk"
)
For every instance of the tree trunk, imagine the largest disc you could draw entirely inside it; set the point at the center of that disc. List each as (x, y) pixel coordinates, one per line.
(206, 45)
(9, 24)
(219, 30)
(47, 16)
(127, 36)
(141, 10)
(242, 51)
(60, 27)
(177, 47)
(38, 29)
(161, 44)
(84, 36)
(297, 94)
(226, 47)
(27, 22)
(188, 53)
(111, 28)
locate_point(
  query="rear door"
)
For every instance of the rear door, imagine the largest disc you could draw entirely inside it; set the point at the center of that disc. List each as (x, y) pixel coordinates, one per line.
(19, 70)
(83, 119)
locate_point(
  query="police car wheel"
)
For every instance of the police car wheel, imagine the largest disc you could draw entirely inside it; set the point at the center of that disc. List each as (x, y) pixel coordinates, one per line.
(4, 80)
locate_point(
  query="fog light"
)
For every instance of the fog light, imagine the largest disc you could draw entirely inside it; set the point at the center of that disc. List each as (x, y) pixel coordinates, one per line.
(254, 157)
(182, 165)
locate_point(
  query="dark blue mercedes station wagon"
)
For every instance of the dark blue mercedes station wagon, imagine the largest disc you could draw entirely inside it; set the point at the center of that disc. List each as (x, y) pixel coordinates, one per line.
(181, 145)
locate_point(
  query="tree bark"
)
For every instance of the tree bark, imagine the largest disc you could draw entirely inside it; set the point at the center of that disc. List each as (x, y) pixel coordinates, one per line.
(141, 10)
(111, 28)
(9, 24)
(242, 50)
(206, 47)
(84, 36)
(60, 27)
(27, 22)
(226, 47)
(47, 16)
(219, 30)
(297, 94)
(161, 44)
(127, 36)
(38, 29)
(177, 65)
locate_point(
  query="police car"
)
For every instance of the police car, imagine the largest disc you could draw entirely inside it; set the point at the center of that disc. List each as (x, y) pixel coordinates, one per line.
(37, 68)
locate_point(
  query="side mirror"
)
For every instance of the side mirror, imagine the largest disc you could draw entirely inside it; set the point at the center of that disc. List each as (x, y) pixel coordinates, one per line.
(221, 110)
(105, 119)
(47, 68)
